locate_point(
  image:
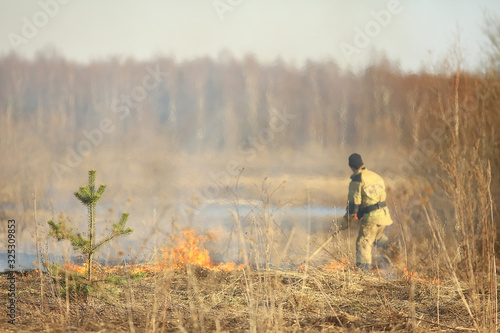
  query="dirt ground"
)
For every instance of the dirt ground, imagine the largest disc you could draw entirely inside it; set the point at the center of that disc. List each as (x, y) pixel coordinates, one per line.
(195, 299)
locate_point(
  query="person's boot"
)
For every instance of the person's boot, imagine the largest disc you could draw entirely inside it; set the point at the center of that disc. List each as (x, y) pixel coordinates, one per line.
(382, 242)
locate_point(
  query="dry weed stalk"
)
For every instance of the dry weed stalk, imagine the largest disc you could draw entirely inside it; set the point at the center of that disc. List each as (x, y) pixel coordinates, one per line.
(38, 259)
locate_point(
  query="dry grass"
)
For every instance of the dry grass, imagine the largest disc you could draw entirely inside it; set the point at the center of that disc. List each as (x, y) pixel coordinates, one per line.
(197, 299)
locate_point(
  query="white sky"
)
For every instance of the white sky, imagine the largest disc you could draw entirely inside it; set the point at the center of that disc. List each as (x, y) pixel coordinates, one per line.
(288, 29)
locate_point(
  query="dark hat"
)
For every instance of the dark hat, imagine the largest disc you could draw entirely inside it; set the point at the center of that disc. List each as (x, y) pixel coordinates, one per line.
(355, 161)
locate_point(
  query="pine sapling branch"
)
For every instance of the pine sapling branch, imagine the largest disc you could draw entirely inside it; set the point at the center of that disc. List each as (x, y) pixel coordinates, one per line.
(118, 230)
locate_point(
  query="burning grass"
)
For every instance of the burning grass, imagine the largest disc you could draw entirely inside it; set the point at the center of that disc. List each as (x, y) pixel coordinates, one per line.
(186, 291)
(188, 249)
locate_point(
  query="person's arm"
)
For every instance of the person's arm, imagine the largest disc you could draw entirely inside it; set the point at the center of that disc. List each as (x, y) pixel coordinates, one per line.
(353, 202)
(354, 196)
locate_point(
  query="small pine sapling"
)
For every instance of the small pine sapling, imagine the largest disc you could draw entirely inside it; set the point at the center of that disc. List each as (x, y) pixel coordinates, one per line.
(88, 246)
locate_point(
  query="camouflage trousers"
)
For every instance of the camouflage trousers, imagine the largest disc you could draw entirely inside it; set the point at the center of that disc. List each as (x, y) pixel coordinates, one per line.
(370, 234)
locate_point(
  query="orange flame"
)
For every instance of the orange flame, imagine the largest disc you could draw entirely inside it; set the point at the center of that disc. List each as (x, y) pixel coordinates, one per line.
(337, 266)
(189, 250)
(72, 267)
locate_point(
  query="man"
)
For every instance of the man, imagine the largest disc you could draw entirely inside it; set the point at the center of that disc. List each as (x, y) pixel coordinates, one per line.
(366, 204)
